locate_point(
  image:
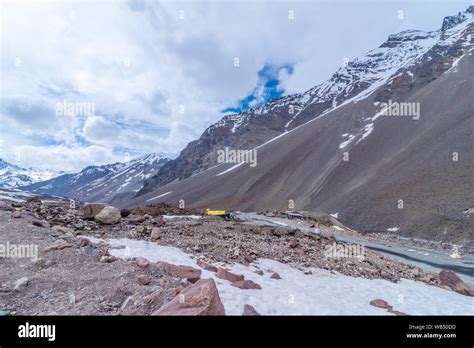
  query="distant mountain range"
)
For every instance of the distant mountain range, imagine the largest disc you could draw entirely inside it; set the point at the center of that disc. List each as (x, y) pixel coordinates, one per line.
(13, 176)
(103, 183)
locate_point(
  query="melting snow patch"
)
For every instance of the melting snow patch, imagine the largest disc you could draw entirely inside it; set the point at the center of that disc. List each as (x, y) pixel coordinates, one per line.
(347, 142)
(181, 217)
(322, 292)
(231, 168)
(393, 229)
(162, 195)
(334, 215)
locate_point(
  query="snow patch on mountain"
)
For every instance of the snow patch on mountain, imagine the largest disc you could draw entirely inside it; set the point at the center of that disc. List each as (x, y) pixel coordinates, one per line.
(12, 176)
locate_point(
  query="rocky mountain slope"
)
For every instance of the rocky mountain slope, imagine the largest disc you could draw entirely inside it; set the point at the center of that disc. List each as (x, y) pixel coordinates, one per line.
(103, 183)
(379, 171)
(12, 176)
(246, 130)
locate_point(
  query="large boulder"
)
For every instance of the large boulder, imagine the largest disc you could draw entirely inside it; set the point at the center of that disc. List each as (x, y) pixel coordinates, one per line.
(90, 210)
(231, 277)
(201, 298)
(108, 216)
(451, 280)
(207, 266)
(246, 284)
(379, 303)
(187, 272)
(155, 234)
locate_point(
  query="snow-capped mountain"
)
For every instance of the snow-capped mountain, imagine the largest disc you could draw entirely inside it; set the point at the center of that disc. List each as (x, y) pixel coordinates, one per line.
(101, 183)
(339, 153)
(123, 182)
(354, 80)
(12, 176)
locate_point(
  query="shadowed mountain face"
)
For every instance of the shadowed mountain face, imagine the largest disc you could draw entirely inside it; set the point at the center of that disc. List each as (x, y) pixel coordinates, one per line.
(396, 152)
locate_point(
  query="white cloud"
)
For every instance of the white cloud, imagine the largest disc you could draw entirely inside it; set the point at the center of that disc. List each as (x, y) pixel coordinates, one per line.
(138, 62)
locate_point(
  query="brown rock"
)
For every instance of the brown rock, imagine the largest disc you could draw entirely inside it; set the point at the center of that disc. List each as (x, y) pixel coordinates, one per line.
(249, 310)
(451, 280)
(40, 223)
(59, 246)
(246, 284)
(248, 258)
(141, 262)
(60, 229)
(125, 212)
(144, 279)
(206, 266)
(82, 242)
(294, 243)
(380, 304)
(90, 210)
(159, 221)
(201, 298)
(155, 234)
(398, 313)
(231, 277)
(259, 272)
(108, 216)
(16, 214)
(275, 275)
(187, 272)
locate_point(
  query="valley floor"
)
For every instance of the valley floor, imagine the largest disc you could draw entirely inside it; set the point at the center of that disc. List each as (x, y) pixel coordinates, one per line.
(85, 268)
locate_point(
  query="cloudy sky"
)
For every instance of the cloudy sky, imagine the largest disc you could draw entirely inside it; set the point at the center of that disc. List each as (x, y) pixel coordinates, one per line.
(150, 76)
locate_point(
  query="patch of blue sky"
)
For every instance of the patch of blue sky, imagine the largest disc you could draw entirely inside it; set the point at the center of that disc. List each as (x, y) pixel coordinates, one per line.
(267, 89)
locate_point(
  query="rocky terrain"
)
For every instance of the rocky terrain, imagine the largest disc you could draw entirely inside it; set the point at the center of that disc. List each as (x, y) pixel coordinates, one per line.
(76, 273)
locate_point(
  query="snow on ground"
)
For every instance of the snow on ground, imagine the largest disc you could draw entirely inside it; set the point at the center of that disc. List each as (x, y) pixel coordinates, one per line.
(393, 229)
(162, 195)
(181, 217)
(11, 198)
(231, 168)
(322, 293)
(15, 195)
(347, 142)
